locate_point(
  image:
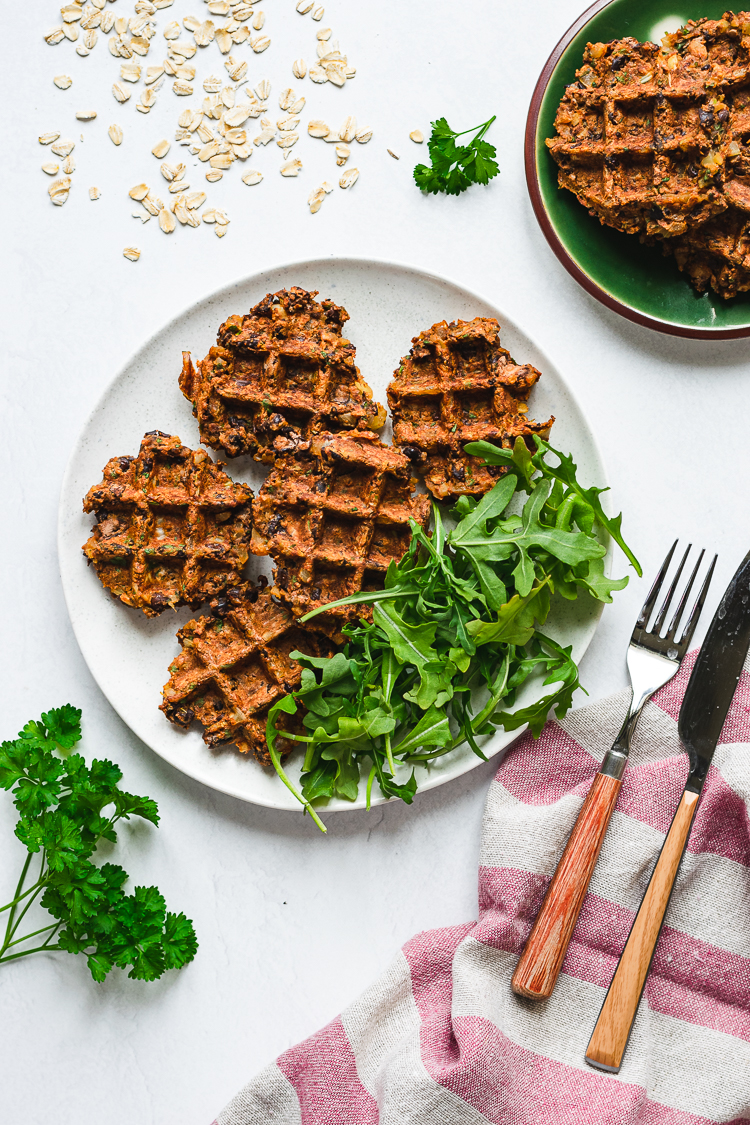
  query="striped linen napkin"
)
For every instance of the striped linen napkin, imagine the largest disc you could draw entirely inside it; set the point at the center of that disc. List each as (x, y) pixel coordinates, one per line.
(440, 1039)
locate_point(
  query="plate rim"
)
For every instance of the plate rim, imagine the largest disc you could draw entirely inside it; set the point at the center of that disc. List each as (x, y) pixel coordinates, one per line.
(229, 790)
(548, 229)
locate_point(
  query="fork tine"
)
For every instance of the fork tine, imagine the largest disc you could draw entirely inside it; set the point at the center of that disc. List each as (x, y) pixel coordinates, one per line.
(683, 600)
(658, 624)
(690, 627)
(653, 593)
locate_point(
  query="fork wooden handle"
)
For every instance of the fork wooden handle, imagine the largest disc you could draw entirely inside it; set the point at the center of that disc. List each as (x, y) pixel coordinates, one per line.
(612, 1031)
(539, 967)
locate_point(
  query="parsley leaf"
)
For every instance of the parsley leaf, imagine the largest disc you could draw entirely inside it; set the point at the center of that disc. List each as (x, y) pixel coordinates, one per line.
(456, 167)
(65, 809)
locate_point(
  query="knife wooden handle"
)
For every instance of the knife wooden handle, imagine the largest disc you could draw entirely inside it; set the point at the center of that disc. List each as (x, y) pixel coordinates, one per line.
(612, 1031)
(539, 967)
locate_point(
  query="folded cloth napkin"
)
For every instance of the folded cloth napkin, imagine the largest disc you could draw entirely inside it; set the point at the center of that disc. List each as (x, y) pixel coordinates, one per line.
(441, 1039)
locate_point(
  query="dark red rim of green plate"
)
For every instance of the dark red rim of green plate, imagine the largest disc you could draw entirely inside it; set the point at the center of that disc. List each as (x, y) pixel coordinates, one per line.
(560, 251)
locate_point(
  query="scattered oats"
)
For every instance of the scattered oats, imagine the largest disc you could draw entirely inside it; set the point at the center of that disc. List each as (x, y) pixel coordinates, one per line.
(209, 216)
(56, 35)
(223, 40)
(114, 46)
(181, 88)
(258, 20)
(318, 14)
(130, 72)
(265, 137)
(195, 200)
(139, 192)
(252, 178)
(68, 165)
(236, 70)
(417, 136)
(205, 134)
(186, 217)
(119, 92)
(240, 35)
(219, 7)
(220, 230)
(132, 253)
(223, 161)
(305, 6)
(191, 23)
(153, 73)
(86, 114)
(172, 171)
(139, 45)
(287, 98)
(94, 193)
(82, 51)
(260, 43)
(348, 130)
(343, 152)
(317, 74)
(211, 149)
(214, 176)
(172, 30)
(167, 221)
(299, 68)
(48, 138)
(89, 40)
(63, 82)
(228, 96)
(185, 71)
(317, 128)
(287, 140)
(184, 50)
(108, 22)
(327, 188)
(363, 136)
(179, 186)
(70, 31)
(212, 84)
(298, 106)
(115, 134)
(71, 12)
(236, 116)
(350, 72)
(51, 169)
(287, 124)
(169, 67)
(263, 90)
(147, 99)
(152, 204)
(291, 168)
(315, 200)
(204, 34)
(393, 154)
(63, 148)
(242, 11)
(336, 73)
(324, 34)
(235, 136)
(349, 178)
(59, 191)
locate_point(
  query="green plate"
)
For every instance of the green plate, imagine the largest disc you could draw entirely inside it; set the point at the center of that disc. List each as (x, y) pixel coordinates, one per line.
(636, 281)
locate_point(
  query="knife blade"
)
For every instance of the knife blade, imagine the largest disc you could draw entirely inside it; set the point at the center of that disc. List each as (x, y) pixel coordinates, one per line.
(704, 709)
(715, 676)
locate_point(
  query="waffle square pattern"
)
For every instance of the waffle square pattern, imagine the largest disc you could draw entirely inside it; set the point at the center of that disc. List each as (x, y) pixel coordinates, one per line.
(234, 665)
(171, 527)
(279, 375)
(333, 517)
(459, 385)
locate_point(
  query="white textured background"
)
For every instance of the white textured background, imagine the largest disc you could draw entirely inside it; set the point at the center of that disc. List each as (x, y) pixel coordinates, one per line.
(291, 925)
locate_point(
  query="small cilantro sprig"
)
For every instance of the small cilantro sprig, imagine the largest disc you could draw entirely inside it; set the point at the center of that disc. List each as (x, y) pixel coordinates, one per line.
(456, 632)
(65, 809)
(455, 167)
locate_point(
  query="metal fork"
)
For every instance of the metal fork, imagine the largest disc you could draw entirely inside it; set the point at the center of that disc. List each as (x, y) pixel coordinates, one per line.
(652, 661)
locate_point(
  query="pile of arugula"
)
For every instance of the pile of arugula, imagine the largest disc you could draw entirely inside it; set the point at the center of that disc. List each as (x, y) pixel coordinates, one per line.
(455, 633)
(456, 167)
(65, 809)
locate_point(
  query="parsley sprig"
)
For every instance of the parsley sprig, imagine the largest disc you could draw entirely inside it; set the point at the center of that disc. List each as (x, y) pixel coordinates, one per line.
(456, 167)
(456, 633)
(66, 809)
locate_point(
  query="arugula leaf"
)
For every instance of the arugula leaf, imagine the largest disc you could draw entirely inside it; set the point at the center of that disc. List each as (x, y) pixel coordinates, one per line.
(65, 809)
(455, 167)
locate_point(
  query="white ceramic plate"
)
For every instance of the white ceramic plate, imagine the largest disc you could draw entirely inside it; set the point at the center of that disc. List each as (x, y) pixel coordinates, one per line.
(127, 653)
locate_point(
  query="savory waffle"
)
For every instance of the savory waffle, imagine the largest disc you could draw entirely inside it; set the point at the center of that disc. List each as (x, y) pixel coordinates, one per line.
(172, 528)
(717, 254)
(333, 517)
(459, 385)
(234, 665)
(279, 375)
(647, 136)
